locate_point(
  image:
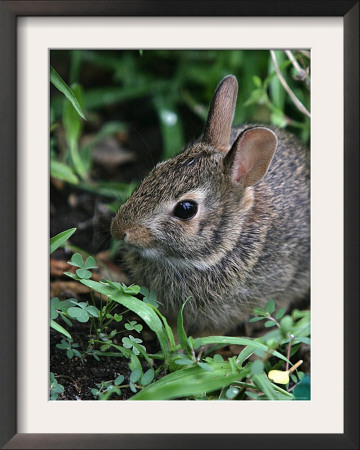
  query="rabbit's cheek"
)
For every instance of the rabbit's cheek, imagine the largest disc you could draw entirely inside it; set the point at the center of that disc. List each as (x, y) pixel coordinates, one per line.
(185, 230)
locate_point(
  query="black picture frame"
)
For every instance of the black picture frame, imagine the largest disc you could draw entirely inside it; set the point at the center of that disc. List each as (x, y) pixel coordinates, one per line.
(9, 11)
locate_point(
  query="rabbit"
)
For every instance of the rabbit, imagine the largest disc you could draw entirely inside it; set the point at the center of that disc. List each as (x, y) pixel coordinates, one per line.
(225, 223)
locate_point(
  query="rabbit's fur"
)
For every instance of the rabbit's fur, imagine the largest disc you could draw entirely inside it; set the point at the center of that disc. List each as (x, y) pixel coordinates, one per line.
(249, 241)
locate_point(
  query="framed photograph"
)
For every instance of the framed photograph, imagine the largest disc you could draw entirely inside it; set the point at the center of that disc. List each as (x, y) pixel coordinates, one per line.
(91, 35)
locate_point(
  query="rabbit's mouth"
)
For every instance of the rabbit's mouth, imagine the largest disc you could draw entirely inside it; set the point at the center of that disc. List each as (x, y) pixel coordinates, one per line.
(146, 253)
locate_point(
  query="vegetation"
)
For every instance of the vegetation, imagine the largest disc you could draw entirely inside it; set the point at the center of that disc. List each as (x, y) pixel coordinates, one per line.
(174, 88)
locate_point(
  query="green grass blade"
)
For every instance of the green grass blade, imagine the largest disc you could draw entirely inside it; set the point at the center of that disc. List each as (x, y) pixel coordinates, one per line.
(183, 340)
(263, 383)
(171, 127)
(227, 340)
(60, 84)
(54, 325)
(168, 329)
(191, 381)
(73, 128)
(60, 239)
(63, 172)
(277, 92)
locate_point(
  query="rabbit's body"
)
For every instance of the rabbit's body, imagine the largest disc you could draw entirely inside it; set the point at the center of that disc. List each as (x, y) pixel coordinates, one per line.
(249, 239)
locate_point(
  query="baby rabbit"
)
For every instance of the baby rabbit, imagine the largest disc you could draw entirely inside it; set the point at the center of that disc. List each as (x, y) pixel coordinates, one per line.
(225, 222)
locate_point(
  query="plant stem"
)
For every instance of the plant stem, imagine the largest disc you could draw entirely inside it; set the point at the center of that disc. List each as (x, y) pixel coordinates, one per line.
(295, 366)
(291, 337)
(293, 97)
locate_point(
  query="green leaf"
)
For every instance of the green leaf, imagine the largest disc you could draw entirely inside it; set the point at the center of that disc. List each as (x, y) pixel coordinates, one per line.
(257, 81)
(257, 367)
(277, 92)
(244, 354)
(60, 84)
(63, 172)
(90, 263)
(79, 314)
(218, 357)
(134, 360)
(66, 320)
(127, 342)
(119, 380)
(184, 342)
(93, 311)
(232, 392)
(168, 331)
(304, 340)
(53, 313)
(71, 275)
(151, 299)
(190, 381)
(76, 260)
(146, 312)
(256, 319)
(205, 366)
(184, 361)
(60, 329)
(285, 324)
(144, 291)
(257, 96)
(60, 239)
(270, 306)
(135, 375)
(294, 378)
(132, 290)
(228, 340)
(280, 313)
(83, 305)
(171, 126)
(263, 383)
(65, 304)
(279, 119)
(252, 395)
(302, 390)
(73, 129)
(83, 273)
(259, 312)
(269, 324)
(148, 377)
(260, 352)
(133, 326)
(64, 345)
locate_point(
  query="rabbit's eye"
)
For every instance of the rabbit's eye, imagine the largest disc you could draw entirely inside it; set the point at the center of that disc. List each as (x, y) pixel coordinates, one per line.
(186, 209)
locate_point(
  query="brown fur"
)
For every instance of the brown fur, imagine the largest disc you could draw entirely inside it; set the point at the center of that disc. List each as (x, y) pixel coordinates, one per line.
(245, 246)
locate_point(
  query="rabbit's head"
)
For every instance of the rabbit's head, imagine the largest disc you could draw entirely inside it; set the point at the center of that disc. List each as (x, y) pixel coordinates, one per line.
(189, 208)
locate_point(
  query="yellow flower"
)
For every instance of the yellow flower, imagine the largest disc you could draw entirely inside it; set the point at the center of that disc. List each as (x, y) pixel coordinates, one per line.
(282, 376)
(279, 376)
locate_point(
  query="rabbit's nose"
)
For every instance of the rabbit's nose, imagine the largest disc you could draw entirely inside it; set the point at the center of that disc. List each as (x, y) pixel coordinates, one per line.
(137, 235)
(119, 233)
(122, 235)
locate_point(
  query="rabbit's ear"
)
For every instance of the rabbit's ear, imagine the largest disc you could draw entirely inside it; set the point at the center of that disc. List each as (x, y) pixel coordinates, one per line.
(221, 114)
(251, 155)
